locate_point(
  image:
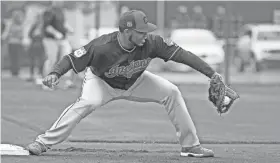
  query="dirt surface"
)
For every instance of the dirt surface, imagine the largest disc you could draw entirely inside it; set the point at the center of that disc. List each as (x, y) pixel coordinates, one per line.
(149, 153)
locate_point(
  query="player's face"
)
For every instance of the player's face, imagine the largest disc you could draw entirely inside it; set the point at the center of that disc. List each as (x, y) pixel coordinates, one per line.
(137, 38)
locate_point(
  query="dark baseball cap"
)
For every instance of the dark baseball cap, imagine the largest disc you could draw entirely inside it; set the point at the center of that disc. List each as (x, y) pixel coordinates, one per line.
(136, 20)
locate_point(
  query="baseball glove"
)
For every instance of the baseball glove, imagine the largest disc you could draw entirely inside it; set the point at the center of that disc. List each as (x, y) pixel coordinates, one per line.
(220, 94)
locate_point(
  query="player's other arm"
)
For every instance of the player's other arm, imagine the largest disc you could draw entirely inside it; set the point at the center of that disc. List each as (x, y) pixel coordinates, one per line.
(77, 60)
(168, 50)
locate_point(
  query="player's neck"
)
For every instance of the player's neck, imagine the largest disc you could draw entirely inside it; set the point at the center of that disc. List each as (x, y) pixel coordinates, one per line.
(125, 44)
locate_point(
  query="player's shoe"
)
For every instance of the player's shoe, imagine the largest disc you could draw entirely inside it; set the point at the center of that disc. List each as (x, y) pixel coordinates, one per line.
(196, 151)
(36, 148)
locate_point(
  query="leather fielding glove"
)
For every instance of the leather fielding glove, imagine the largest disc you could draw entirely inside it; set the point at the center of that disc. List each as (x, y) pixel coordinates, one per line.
(220, 94)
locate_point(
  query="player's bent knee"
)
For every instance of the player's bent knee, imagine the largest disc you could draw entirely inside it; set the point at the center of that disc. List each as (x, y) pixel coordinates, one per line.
(82, 109)
(174, 90)
(92, 102)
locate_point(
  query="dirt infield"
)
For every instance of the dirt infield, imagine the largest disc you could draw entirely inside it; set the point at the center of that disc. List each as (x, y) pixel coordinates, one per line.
(132, 132)
(149, 153)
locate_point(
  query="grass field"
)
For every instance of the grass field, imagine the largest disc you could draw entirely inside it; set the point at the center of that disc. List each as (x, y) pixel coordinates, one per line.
(124, 131)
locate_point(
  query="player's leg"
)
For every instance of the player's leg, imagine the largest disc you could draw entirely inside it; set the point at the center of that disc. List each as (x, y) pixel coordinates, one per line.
(153, 88)
(95, 93)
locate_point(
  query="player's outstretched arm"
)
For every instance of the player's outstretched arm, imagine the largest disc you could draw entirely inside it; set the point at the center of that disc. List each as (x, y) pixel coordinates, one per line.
(166, 49)
(219, 93)
(192, 60)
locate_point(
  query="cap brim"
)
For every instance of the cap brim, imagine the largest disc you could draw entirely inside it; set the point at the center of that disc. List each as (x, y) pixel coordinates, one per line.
(148, 28)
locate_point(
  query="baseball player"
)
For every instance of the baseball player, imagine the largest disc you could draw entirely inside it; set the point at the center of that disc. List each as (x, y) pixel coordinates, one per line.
(115, 66)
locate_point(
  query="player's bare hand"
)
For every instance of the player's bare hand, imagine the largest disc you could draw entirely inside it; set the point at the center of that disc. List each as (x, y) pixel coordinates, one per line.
(51, 80)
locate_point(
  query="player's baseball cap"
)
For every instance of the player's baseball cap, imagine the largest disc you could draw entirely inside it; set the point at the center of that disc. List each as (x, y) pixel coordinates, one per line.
(136, 20)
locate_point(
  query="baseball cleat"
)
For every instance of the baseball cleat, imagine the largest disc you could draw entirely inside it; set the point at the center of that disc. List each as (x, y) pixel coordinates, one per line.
(196, 151)
(36, 148)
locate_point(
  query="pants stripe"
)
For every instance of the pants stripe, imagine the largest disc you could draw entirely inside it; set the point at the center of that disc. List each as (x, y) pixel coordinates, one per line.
(66, 112)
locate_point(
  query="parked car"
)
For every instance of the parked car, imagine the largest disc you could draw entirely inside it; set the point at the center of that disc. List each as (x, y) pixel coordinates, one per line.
(256, 45)
(201, 42)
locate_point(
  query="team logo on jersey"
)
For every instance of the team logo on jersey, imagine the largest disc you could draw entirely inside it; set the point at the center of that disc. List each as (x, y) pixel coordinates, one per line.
(80, 52)
(128, 71)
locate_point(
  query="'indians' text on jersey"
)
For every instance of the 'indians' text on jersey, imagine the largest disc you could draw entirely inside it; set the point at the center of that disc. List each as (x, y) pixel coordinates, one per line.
(119, 67)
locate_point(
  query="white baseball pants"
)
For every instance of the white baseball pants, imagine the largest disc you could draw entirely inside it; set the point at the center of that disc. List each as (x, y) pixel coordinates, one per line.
(148, 88)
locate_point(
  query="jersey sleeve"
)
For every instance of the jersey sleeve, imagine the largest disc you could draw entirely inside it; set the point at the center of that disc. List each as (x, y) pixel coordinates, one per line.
(165, 48)
(82, 57)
